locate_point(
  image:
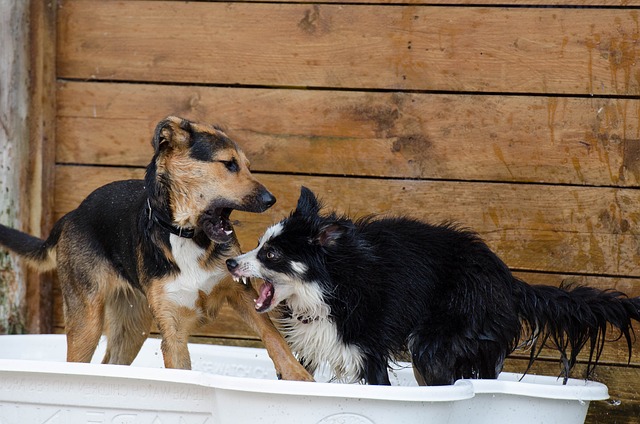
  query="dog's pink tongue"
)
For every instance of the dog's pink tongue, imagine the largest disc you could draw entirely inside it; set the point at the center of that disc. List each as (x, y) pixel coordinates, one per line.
(265, 296)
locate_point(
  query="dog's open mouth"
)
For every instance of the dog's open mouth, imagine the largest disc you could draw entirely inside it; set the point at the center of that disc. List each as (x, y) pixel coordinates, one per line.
(265, 296)
(216, 224)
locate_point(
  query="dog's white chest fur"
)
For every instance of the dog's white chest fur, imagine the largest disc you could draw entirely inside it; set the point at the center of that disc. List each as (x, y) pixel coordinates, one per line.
(317, 342)
(184, 290)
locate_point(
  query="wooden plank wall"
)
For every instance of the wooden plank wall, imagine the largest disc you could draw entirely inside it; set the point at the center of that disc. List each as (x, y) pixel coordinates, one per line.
(27, 150)
(13, 155)
(521, 122)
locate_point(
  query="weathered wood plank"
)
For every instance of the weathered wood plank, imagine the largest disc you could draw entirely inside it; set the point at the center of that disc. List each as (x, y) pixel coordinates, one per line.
(229, 325)
(26, 154)
(560, 3)
(39, 178)
(440, 136)
(561, 229)
(630, 286)
(14, 136)
(519, 50)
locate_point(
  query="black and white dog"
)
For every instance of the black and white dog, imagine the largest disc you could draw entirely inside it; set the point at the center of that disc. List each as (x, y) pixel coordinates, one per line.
(356, 294)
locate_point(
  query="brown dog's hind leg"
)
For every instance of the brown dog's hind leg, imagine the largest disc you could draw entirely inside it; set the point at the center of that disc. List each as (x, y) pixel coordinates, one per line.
(241, 297)
(81, 275)
(128, 322)
(84, 319)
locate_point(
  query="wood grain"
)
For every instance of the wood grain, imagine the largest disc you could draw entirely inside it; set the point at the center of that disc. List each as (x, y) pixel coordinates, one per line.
(564, 229)
(14, 157)
(530, 247)
(468, 49)
(406, 135)
(559, 3)
(520, 122)
(39, 179)
(230, 326)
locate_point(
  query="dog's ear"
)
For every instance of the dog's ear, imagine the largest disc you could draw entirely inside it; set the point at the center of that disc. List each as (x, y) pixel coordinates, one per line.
(329, 234)
(308, 204)
(170, 132)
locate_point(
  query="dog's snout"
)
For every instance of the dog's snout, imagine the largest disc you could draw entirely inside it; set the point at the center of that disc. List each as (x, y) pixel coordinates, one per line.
(267, 199)
(259, 201)
(232, 264)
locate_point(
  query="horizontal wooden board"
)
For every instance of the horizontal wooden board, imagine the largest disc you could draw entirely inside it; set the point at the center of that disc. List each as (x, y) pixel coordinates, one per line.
(519, 50)
(533, 227)
(559, 3)
(412, 135)
(229, 325)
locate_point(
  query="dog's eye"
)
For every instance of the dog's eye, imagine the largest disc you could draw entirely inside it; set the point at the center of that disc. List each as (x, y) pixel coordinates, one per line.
(231, 165)
(272, 255)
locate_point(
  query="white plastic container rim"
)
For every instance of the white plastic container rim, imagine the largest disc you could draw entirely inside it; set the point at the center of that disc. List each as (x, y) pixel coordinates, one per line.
(544, 387)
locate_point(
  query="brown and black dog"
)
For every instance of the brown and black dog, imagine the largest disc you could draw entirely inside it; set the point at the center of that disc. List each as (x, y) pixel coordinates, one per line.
(135, 251)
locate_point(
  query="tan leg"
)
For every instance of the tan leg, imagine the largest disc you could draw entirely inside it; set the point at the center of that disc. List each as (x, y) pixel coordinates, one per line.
(128, 319)
(175, 328)
(84, 319)
(241, 299)
(83, 301)
(175, 324)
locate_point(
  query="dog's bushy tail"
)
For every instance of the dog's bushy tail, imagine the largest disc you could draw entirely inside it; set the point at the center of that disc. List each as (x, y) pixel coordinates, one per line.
(572, 317)
(39, 253)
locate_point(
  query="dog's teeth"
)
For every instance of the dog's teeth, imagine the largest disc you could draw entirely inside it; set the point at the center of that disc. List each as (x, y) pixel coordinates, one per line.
(228, 232)
(236, 279)
(245, 280)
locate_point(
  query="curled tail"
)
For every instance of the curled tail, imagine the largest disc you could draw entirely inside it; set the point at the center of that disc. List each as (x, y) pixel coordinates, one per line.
(572, 317)
(39, 253)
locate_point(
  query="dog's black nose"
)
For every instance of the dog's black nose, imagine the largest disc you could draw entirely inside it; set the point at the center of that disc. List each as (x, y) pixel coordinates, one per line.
(232, 264)
(267, 199)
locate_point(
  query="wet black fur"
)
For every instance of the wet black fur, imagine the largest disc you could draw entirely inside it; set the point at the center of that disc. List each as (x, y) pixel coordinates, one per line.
(396, 282)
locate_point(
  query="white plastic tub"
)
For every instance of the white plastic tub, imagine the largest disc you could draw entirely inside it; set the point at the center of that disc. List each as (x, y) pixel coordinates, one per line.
(231, 385)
